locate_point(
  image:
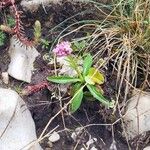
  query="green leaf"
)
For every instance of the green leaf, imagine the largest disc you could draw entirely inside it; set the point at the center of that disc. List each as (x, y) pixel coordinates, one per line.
(76, 100)
(87, 63)
(10, 21)
(89, 80)
(78, 46)
(75, 88)
(97, 94)
(94, 76)
(62, 79)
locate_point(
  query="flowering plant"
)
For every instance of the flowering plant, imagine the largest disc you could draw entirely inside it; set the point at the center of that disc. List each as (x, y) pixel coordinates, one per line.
(62, 49)
(89, 77)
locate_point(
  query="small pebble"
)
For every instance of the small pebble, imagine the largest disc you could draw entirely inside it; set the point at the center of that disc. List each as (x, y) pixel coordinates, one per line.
(74, 136)
(93, 148)
(91, 141)
(50, 144)
(5, 77)
(54, 137)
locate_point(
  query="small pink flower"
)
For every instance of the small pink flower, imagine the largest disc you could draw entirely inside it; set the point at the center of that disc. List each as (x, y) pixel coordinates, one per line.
(62, 49)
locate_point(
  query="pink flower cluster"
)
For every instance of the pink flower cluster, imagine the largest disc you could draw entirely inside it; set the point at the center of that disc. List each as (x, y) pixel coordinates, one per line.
(62, 49)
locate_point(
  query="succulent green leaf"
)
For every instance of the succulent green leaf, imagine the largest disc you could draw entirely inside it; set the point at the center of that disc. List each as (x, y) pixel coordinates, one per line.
(37, 30)
(87, 63)
(76, 101)
(98, 95)
(62, 79)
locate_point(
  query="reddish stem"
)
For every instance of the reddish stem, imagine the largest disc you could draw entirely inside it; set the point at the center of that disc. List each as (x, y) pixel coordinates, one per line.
(5, 3)
(36, 88)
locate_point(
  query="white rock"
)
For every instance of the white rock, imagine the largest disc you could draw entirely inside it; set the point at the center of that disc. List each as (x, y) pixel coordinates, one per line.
(54, 137)
(77, 132)
(137, 119)
(22, 59)
(33, 5)
(74, 136)
(5, 77)
(91, 141)
(147, 148)
(17, 128)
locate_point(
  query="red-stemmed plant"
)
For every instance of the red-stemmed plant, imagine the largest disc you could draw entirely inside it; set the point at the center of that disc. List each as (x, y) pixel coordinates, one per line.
(18, 30)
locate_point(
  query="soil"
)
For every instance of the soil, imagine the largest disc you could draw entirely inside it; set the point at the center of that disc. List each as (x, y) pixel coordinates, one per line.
(43, 106)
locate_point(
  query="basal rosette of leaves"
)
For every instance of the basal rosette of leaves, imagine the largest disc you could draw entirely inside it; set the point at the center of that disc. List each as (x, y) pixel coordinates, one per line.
(89, 78)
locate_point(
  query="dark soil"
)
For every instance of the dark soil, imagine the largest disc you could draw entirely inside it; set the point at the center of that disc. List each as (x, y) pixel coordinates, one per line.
(43, 106)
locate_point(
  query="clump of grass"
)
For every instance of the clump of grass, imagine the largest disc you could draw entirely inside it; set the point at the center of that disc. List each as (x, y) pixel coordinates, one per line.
(126, 40)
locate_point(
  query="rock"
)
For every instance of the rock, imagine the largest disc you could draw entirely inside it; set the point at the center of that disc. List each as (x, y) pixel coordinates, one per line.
(50, 144)
(5, 77)
(22, 59)
(91, 141)
(147, 148)
(137, 115)
(74, 136)
(54, 137)
(33, 5)
(77, 132)
(17, 128)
